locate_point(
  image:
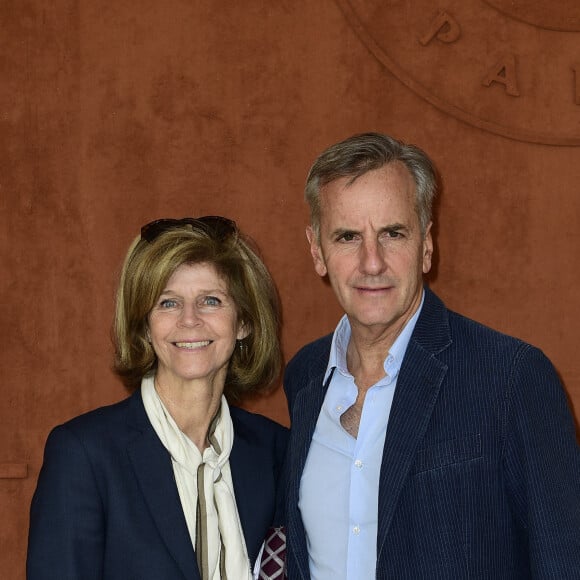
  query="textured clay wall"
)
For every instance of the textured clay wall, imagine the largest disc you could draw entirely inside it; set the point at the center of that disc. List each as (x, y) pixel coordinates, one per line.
(116, 113)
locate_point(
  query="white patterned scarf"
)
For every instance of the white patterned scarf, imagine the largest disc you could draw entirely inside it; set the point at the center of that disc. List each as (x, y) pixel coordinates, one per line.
(204, 483)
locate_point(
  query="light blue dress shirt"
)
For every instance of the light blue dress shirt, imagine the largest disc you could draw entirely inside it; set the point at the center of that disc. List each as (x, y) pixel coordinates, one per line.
(340, 483)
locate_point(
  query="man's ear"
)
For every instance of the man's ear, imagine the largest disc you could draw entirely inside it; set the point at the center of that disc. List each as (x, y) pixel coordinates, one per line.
(316, 251)
(427, 249)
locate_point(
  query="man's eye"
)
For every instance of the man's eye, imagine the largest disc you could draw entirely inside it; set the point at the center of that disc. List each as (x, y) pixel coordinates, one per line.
(347, 237)
(393, 234)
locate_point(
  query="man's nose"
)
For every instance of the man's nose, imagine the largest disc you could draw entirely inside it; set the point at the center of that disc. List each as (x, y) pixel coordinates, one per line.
(372, 259)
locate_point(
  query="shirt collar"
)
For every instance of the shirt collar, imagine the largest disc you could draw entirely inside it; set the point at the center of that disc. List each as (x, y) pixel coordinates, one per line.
(394, 358)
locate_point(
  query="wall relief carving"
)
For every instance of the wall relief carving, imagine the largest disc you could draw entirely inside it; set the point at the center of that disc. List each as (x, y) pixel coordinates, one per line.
(510, 67)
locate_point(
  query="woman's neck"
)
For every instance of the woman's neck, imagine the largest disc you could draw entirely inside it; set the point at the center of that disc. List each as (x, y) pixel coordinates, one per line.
(192, 406)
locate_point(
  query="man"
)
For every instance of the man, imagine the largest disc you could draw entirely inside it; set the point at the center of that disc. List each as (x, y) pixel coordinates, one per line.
(424, 445)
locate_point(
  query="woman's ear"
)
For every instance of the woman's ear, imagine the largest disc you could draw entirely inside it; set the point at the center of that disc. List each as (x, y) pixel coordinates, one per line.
(243, 331)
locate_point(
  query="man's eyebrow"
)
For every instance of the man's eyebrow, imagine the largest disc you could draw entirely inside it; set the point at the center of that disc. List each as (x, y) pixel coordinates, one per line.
(387, 228)
(339, 231)
(392, 227)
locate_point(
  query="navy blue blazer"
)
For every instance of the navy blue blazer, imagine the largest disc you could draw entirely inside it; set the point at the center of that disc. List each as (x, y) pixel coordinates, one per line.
(107, 507)
(480, 475)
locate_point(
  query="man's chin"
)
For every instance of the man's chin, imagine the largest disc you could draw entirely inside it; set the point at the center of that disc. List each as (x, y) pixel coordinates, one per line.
(372, 319)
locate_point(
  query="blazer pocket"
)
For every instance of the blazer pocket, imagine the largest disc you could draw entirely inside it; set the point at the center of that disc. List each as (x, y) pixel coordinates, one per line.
(450, 452)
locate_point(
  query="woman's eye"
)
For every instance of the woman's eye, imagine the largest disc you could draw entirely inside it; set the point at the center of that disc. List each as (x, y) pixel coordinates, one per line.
(211, 301)
(167, 303)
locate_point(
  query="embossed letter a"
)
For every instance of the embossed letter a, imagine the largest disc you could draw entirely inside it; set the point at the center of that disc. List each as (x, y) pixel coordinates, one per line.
(504, 72)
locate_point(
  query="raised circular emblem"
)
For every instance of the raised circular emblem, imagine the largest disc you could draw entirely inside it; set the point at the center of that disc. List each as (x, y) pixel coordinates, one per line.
(505, 66)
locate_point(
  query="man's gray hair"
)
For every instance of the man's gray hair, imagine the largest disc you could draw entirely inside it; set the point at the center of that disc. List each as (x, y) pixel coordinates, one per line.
(365, 152)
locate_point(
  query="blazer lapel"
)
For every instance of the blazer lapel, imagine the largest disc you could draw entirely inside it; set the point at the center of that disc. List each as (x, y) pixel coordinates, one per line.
(417, 390)
(307, 407)
(246, 469)
(305, 415)
(249, 467)
(153, 469)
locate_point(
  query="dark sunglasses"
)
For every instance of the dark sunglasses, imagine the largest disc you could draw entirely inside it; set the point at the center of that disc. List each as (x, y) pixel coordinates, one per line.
(214, 225)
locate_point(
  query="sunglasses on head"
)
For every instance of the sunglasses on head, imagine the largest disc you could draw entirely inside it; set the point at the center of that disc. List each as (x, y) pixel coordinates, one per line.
(215, 225)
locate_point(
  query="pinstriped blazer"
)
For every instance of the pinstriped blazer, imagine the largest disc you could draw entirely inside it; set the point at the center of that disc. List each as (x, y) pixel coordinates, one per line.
(480, 474)
(107, 507)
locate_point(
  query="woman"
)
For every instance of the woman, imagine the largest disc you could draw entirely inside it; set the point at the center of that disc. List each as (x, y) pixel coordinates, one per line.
(172, 482)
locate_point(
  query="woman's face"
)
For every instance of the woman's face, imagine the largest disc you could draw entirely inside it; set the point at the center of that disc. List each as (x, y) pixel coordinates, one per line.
(194, 326)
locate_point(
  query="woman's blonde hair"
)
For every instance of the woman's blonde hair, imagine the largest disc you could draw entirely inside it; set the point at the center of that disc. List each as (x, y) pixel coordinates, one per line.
(257, 359)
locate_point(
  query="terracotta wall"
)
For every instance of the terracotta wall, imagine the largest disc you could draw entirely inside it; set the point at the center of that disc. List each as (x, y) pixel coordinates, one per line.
(116, 113)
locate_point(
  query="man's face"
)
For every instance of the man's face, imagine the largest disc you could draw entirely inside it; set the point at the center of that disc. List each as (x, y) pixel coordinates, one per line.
(372, 249)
